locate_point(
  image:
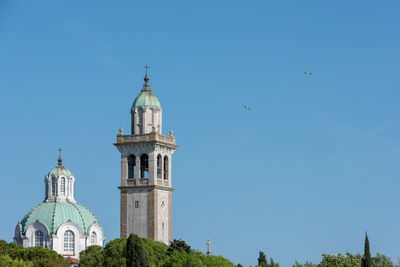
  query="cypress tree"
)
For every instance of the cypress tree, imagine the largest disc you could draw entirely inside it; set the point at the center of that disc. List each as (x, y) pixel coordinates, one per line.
(136, 256)
(366, 260)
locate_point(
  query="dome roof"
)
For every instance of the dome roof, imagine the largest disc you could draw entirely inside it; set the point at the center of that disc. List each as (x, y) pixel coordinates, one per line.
(58, 171)
(146, 99)
(54, 214)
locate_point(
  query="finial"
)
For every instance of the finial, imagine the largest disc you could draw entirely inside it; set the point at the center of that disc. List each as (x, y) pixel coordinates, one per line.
(146, 85)
(146, 77)
(120, 132)
(59, 157)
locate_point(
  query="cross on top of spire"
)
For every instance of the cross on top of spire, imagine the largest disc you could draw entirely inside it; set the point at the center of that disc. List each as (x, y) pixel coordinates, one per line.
(146, 85)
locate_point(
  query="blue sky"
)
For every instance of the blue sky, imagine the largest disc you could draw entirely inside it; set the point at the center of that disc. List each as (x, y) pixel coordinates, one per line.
(312, 166)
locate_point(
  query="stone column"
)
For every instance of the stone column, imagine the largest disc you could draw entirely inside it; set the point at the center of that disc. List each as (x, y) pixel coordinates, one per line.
(169, 170)
(162, 168)
(137, 174)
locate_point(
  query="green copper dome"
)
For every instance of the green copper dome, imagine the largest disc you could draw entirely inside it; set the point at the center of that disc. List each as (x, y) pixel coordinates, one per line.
(146, 98)
(58, 171)
(54, 214)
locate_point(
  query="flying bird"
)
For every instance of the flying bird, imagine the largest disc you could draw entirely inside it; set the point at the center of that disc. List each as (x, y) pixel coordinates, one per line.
(307, 73)
(246, 107)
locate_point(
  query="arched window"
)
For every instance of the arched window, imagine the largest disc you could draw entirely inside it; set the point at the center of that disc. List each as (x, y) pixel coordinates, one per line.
(144, 166)
(62, 185)
(69, 242)
(165, 168)
(93, 238)
(131, 167)
(38, 238)
(159, 164)
(70, 186)
(53, 186)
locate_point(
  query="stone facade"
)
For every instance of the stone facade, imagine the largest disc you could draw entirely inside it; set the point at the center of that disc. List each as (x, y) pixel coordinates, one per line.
(146, 164)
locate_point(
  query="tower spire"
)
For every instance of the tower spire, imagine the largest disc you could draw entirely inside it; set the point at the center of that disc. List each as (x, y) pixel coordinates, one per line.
(146, 85)
(59, 157)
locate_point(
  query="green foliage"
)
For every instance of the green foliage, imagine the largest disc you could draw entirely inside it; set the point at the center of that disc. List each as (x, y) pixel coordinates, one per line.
(306, 264)
(135, 253)
(178, 245)
(156, 251)
(37, 256)
(114, 253)
(239, 265)
(195, 259)
(381, 260)
(7, 261)
(366, 259)
(91, 257)
(262, 261)
(340, 260)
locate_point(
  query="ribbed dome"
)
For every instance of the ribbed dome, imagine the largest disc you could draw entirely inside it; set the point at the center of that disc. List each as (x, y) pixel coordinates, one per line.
(146, 99)
(58, 171)
(54, 214)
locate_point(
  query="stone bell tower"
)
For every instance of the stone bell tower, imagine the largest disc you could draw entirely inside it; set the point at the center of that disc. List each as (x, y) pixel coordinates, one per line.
(146, 160)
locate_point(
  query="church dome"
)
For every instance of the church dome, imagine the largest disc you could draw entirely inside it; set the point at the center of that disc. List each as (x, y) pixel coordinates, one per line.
(54, 214)
(146, 98)
(58, 171)
(59, 223)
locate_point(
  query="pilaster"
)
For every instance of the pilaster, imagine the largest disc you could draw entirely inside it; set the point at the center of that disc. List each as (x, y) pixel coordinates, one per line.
(124, 170)
(123, 214)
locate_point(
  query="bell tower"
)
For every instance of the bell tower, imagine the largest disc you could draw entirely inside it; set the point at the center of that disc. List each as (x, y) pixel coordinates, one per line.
(146, 181)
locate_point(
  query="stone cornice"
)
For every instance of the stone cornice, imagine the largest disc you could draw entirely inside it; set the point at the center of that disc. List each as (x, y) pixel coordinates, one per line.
(154, 137)
(126, 187)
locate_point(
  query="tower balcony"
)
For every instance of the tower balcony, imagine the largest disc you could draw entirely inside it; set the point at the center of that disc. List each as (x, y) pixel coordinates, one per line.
(150, 137)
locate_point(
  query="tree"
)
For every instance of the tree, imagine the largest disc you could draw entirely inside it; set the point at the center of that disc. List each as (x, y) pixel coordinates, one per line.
(195, 259)
(136, 256)
(6, 260)
(366, 260)
(114, 253)
(306, 264)
(262, 259)
(91, 257)
(17, 255)
(239, 265)
(178, 245)
(340, 260)
(381, 260)
(156, 251)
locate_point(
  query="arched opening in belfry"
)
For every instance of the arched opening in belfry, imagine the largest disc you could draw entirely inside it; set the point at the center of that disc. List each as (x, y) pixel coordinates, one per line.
(159, 164)
(165, 168)
(144, 166)
(131, 167)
